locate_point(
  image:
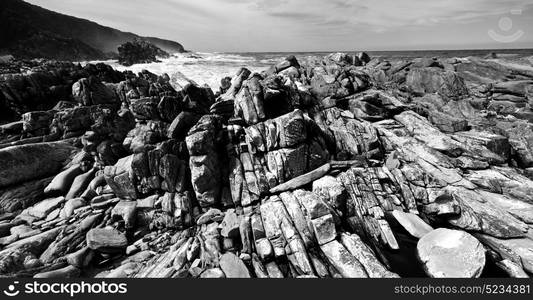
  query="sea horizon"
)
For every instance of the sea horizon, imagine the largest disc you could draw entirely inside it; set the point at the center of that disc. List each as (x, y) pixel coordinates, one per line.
(375, 51)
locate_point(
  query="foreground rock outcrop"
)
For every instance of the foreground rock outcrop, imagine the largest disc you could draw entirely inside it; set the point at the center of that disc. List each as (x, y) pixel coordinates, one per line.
(340, 166)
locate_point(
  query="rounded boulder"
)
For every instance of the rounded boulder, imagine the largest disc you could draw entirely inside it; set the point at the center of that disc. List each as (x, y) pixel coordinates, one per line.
(447, 253)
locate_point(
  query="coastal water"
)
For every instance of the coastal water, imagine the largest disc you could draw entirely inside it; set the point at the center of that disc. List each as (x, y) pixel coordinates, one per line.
(209, 68)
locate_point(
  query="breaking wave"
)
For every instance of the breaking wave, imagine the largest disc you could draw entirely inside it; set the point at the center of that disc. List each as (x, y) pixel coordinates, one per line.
(202, 67)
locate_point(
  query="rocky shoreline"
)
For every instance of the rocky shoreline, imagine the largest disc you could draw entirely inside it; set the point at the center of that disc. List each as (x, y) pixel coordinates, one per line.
(339, 166)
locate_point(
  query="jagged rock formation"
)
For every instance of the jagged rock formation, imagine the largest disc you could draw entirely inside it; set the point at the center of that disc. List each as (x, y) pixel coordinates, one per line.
(36, 88)
(340, 166)
(139, 51)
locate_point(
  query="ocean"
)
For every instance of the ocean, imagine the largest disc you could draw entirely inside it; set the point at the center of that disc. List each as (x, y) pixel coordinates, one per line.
(210, 68)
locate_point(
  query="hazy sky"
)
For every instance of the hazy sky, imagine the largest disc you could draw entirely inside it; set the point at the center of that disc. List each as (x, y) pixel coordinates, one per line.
(315, 25)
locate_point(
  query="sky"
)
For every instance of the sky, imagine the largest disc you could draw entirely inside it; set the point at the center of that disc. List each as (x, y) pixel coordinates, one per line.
(315, 25)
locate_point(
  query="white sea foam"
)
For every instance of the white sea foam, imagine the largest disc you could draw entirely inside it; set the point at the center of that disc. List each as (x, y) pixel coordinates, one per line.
(201, 67)
(210, 68)
(521, 65)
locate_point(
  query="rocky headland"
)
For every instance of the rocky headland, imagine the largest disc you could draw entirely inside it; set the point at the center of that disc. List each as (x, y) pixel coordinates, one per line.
(28, 31)
(339, 166)
(139, 51)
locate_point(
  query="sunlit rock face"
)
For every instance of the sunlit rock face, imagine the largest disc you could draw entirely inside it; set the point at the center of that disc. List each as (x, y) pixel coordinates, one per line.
(340, 166)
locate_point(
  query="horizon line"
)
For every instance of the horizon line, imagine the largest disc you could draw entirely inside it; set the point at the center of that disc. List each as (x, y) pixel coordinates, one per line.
(336, 51)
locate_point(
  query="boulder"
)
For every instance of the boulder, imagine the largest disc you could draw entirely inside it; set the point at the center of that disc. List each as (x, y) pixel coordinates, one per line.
(145, 108)
(106, 240)
(332, 190)
(143, 135)
(249, 101)
(17, 197)
(286, 131)
(212, 215)
(81, 258)
(325, 85)
(37, 122)
(169, 108)
(80, 184)
(43, 208)
(90, 91)
(120, 178)
(341, 58)
(204, 163)
(435, 80)
(312, 204)
(233, 266)
(181, 125)
(215, 273)
(127, 211)
(363, 57)
(139, 51)
(285, 64)
(62, 182)
(33, 161)
(71, 205)
(236, 84)
(198, 99)
(447, 253)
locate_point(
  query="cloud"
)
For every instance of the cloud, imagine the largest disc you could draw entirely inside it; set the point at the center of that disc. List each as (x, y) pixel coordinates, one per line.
(391, 14)
(294, 15)
(287, 25)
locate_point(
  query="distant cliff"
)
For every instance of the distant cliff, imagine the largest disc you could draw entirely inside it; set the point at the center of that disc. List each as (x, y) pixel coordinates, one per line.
(29, 31)
(139, 52)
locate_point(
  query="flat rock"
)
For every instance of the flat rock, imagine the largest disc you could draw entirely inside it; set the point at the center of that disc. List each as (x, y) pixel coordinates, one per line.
(106, 240)
(519, 251)
(20, 230)
(213, 273)
(43, 208)
(298, 218)
(478, 214)
(33, 161)
(447, 253)
(412, 223)
(347, 265)
(16, 197)
(212, 215)
(365, 256)
(66, 272)
(233, 266)
(63, 181)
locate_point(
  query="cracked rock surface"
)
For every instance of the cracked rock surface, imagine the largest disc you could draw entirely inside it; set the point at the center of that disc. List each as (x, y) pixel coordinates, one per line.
(337, 166)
